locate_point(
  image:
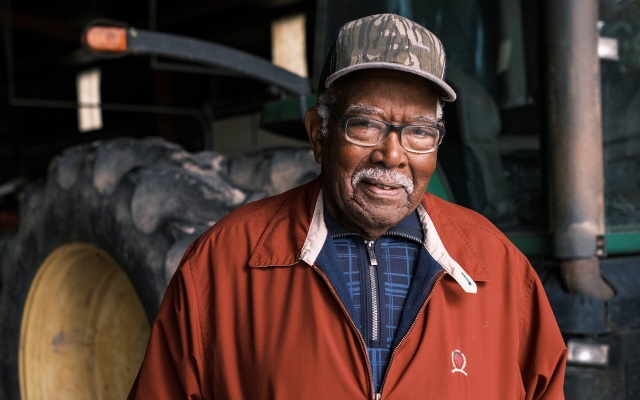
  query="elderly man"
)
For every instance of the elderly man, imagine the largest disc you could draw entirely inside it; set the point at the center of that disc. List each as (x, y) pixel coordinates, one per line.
(359, 285)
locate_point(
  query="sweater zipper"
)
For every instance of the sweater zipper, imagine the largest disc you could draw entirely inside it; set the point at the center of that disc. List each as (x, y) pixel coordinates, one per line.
(373, 283)
(373, 286)
(393, 353)
(406, 236)
(376, 396)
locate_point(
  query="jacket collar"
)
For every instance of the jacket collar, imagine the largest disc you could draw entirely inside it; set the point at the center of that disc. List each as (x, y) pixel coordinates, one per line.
(301, 221)
(436, 248)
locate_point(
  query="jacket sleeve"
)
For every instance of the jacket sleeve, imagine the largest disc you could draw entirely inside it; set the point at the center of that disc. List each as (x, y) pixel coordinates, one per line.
(171, 368)
(542, 353)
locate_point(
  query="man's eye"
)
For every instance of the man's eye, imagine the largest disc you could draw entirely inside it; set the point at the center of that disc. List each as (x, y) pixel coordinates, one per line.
(424, 131)
(361, 123)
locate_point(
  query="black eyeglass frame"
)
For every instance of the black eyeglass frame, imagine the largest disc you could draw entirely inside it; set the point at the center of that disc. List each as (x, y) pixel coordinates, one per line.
(344, 119)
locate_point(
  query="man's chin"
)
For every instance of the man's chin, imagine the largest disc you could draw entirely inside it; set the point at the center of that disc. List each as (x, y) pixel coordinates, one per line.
(386, 214)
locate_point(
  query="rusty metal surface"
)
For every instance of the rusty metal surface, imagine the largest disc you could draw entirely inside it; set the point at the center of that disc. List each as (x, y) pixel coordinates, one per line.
(575, 144)
(575, 127)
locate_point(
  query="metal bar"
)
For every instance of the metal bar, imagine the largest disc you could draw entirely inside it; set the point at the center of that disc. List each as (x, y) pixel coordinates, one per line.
(622, 242)
(575, 142)
(121, 107)
(189, 68)
(140, 41)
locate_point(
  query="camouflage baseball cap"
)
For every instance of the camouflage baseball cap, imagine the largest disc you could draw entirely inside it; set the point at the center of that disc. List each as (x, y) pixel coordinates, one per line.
(387, 41)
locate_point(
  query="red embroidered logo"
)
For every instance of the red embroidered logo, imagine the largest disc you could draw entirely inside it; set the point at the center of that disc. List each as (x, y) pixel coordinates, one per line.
(459, 361)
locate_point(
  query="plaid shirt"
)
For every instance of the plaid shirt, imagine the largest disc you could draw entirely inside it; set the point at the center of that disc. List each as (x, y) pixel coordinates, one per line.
(378, 276)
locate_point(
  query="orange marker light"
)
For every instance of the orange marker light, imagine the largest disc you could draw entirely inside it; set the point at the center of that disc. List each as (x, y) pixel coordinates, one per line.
(107, 39)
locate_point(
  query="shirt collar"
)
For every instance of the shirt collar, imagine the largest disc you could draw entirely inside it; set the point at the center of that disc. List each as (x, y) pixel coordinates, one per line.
(409, 227)
(318, 233)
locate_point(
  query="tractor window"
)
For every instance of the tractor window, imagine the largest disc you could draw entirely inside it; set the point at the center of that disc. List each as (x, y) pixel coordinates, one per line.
(492, 153)
(620, 68)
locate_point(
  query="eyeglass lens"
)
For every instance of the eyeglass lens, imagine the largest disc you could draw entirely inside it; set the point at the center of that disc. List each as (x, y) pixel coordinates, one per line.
(370, 132)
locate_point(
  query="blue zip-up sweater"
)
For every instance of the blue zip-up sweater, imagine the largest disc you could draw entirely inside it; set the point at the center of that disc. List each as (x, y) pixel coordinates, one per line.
(378, 276)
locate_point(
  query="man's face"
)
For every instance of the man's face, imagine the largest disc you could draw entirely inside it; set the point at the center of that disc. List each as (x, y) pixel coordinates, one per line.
(389, 180)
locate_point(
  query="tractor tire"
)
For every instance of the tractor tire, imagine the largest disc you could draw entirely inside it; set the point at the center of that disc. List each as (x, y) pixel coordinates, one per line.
(97, 245)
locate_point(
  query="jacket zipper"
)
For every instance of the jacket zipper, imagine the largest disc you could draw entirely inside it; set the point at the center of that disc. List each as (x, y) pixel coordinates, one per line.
(376, 396)
(393, 353)
(373, 283)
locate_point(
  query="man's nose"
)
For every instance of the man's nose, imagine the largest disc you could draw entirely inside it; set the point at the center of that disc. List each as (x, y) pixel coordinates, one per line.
(390, 153)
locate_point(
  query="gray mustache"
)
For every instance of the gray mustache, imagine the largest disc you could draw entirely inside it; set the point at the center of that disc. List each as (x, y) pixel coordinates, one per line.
(383, 177)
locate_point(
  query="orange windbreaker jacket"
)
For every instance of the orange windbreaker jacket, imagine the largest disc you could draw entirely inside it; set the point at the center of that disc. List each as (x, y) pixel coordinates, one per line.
(249, 316)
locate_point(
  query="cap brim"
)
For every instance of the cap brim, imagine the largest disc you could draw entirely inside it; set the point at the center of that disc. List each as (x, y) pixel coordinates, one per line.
(446, 92)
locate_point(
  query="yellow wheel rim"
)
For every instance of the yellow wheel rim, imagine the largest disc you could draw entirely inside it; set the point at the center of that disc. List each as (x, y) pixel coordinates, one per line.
(84, 330)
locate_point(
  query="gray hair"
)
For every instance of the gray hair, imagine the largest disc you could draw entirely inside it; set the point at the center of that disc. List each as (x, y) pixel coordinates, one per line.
(327, 100)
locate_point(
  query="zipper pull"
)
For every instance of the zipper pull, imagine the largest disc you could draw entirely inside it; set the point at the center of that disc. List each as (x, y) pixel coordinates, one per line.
(377, 396)
(373, 282)
(371, 252)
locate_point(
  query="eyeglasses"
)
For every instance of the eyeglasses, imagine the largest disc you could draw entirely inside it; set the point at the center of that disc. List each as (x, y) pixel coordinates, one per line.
(371, 132)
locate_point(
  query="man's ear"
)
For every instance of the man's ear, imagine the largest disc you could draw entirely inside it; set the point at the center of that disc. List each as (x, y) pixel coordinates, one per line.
(313, 123)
